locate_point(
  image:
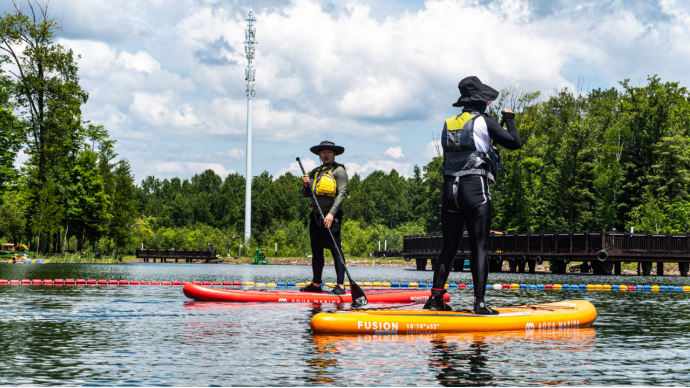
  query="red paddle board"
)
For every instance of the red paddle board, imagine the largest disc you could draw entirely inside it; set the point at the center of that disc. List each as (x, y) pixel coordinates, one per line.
(197, 292)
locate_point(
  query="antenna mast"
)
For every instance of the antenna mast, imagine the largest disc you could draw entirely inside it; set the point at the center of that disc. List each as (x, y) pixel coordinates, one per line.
(249, 74)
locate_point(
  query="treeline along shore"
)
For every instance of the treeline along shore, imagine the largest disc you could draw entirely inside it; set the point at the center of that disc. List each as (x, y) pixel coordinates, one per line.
(603, 158)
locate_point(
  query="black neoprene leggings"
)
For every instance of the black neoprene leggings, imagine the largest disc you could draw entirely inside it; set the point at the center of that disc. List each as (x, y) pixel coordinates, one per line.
(320, 239)
(471, 206)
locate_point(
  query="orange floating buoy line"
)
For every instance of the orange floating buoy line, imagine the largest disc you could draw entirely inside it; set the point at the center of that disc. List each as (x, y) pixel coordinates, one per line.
(370, 285)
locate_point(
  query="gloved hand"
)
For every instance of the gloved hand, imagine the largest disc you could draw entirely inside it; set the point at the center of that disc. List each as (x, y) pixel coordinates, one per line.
(507, 115)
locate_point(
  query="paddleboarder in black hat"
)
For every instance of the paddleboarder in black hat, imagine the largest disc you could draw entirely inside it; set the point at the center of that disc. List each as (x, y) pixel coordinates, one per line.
(470, 165)
(329, 183)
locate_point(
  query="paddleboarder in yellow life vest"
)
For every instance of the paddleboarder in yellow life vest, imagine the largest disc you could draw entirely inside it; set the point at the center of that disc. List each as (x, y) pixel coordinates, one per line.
(470, 164)
(329, 183)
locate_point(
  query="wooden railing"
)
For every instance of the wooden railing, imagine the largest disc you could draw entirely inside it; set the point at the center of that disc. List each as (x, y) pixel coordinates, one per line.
(188, 255)
(618, 246)
(602, 251)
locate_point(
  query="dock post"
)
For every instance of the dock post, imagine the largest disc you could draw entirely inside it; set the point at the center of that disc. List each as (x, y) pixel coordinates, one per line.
(607, 267)
(541, 240)
(646, 268)
(522, 263)
(617, 267)
(531, 265)
(683, 267)
(584, 267)
(660, 268)
(597, 267)
(503, 239)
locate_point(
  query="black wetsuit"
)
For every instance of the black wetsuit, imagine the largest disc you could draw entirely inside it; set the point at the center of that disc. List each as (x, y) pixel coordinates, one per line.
(472, 207)
(319, 236)
(320, 239)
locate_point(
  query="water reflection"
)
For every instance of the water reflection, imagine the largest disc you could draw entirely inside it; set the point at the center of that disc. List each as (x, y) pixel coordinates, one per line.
(459, 359)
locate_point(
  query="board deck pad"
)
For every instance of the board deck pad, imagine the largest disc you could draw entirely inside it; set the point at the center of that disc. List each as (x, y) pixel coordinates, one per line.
(198, 292)
(558, 315)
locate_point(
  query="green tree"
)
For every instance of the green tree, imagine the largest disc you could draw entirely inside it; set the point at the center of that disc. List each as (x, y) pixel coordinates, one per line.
(649, 214)
(88, 199)
(652, 113)
(570, 160)
(433, 187)
(232, 202)
(12, 215)
(47, 98)
(11, 132)
(123, 206)
(47, 221)
(352, 207)
(46, 86)
(518, 195)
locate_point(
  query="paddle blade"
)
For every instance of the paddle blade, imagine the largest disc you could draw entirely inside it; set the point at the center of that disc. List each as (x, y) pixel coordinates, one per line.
(358, 297)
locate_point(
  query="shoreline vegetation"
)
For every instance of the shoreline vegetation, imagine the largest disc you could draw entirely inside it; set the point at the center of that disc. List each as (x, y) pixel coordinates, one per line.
(670, 269)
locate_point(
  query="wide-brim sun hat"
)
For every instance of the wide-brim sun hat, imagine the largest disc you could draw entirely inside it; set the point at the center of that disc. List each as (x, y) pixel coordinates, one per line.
(327, 145)
(472, 91)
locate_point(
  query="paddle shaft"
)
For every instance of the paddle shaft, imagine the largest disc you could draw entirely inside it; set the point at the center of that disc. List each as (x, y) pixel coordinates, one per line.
(354, 288)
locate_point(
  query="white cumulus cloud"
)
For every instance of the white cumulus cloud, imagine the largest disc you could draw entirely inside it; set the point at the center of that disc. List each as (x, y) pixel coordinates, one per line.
(170, 72)
(394, 152)
(432, 149)
(141, 61)
(373, 165)
(308, 163)
(186, 169)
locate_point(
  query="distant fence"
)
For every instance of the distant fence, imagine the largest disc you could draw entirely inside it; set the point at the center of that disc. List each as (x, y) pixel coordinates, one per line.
(188, 255)
(605, 249)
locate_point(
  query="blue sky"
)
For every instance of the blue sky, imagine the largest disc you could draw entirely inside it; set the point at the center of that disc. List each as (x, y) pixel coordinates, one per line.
(166, 77)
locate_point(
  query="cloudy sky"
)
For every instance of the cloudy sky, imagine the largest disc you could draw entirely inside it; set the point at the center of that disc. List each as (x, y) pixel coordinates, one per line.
(166, 77)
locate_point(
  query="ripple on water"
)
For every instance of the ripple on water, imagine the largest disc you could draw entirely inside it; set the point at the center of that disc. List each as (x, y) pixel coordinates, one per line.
(153, 335)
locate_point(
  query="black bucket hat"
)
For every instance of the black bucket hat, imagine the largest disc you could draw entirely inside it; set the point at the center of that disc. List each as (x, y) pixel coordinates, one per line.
(327, 145)
(472, 90)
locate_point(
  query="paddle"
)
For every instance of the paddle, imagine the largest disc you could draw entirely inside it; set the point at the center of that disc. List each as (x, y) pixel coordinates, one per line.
(358, 297)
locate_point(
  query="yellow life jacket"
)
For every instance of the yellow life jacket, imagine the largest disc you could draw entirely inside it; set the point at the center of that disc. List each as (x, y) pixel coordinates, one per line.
(324, 182)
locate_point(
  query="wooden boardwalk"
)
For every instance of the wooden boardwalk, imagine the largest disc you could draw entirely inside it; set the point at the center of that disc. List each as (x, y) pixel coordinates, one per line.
(188, 255)
(602, 251)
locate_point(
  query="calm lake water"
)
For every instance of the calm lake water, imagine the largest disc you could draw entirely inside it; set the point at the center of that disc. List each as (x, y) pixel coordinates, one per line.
(154, 335)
